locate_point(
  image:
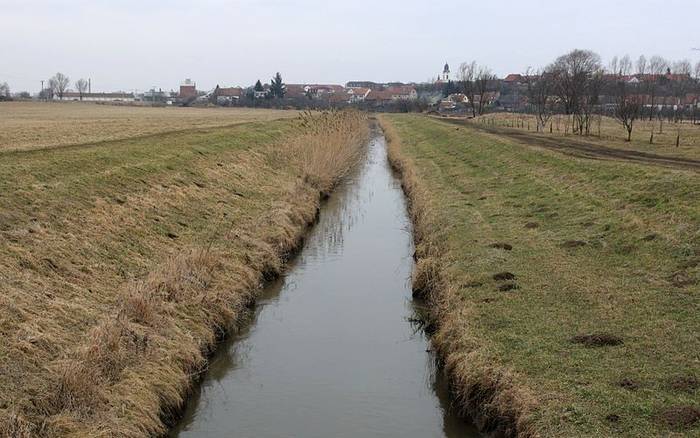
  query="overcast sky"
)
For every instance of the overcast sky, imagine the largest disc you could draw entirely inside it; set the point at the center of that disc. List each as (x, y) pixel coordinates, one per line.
(130, 44)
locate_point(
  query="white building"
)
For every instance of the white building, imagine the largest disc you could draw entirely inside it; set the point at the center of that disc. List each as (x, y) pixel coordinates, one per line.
(96, 97)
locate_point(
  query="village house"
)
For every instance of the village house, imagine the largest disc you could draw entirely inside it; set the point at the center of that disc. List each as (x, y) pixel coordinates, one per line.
(364, 84)
(320, 91)
(188, 90)
(296, 91)
(392, 94)
(404, 92)
(223, 96)
(514, 79)
(357, 94)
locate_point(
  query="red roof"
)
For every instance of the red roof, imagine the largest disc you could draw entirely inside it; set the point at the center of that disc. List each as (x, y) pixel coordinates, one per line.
(403, 90)
(358, 91)
(230, 92)
(513, 77)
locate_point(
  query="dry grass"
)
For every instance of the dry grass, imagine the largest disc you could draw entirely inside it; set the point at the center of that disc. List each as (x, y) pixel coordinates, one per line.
(609, 132)
(123, 262)
(31, 125)
(605, 260)
(324, 166)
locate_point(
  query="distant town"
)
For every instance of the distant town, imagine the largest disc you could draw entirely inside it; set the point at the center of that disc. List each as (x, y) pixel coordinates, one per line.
(659, 86)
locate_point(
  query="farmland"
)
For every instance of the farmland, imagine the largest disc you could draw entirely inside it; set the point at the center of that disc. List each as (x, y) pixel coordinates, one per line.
(124, 260)
(605, 132)
(565, 287)
(31, 125)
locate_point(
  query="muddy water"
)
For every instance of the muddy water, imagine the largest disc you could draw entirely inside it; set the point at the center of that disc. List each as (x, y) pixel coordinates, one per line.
(330, 350)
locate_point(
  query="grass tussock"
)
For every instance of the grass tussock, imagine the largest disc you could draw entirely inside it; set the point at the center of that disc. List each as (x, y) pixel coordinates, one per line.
(585, 326)
(106, 338)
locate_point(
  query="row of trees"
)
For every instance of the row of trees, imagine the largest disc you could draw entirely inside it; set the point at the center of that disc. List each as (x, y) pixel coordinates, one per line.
(656, 65)
(58, 86)
(574, 83)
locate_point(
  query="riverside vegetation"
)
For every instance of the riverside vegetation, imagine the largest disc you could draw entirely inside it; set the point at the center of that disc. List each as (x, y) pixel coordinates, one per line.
(124, 260)
(564, 289)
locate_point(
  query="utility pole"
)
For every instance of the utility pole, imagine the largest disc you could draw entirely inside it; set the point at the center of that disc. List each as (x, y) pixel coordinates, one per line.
(89, 85)
(41, 95)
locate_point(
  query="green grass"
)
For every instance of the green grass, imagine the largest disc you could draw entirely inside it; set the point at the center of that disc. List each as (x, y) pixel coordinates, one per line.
(636, 276)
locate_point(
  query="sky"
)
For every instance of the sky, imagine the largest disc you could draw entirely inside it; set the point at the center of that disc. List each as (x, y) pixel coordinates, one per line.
(138, 44)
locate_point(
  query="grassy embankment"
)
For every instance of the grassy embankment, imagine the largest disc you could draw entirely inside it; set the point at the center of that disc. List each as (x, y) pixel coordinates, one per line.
(122, 262)
(565, 289)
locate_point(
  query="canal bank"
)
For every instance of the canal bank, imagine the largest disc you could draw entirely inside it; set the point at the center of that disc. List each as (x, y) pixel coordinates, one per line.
(332, 348)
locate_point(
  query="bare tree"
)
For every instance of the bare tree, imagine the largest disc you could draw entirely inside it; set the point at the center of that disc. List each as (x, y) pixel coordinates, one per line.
(59, 84)
(612, 66)
(657, 67)
(591, 100)
(81, 85)
(681, 85)
(641, 65)
(483, 80)
(625, 66)
(573, 74)
(682, 67)
(4, 90)
(627, 107)
(540, 88)
(467, 74)
(697, 71)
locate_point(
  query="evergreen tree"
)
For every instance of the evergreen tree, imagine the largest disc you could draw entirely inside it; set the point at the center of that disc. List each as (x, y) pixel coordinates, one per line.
(449, 88)
(259, 86)
(277, 87)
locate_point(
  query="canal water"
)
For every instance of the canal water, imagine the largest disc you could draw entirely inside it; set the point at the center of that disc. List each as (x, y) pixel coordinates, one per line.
(331, 349)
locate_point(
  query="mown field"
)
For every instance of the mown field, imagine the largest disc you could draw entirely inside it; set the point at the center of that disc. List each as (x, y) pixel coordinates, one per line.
(32, 125)
(122, 261)
(566, 289)
(607, 132)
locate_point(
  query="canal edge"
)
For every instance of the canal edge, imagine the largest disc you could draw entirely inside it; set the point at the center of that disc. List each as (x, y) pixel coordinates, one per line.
(487, 397)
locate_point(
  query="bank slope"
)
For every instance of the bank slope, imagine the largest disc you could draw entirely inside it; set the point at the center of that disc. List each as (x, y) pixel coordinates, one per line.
(122, 262)
(565, 290)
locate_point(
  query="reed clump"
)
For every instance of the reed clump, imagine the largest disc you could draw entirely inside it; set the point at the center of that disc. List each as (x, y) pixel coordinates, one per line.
(328, 146)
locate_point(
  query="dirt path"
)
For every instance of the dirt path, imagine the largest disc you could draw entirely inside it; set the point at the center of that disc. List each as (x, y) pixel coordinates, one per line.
(584, 149)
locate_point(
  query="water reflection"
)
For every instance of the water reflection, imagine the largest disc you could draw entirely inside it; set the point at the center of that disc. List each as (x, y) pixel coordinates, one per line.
(333, 349)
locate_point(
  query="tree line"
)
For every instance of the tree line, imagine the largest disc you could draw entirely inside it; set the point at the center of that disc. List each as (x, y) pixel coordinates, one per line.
(58, 85)
(574, 83)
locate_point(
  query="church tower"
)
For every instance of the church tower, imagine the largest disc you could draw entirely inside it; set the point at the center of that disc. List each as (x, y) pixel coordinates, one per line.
(446, 73)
